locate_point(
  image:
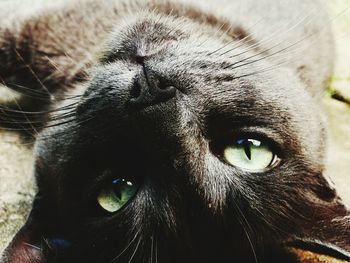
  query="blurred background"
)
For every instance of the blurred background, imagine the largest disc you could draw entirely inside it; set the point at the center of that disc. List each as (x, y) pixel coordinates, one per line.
(17, 185)
(337, 101)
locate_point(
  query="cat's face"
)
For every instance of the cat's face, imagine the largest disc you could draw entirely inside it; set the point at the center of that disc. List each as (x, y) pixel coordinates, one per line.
(183, 151)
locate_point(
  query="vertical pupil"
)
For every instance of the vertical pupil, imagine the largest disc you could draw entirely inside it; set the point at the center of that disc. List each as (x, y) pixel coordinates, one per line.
(118, 188)
(247, 150)
(246, 145)
(118, 192)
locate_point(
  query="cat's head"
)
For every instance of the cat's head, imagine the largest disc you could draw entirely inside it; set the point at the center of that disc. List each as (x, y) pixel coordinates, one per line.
(183, 146)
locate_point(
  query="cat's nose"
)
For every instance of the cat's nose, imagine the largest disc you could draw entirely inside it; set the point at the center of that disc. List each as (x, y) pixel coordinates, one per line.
(150, 89)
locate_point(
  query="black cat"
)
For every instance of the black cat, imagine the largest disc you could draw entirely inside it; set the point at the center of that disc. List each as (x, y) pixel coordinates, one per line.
(174, 131)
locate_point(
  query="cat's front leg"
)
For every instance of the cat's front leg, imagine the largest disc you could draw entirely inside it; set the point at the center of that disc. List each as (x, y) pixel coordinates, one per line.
(37, 67)
(22, 94)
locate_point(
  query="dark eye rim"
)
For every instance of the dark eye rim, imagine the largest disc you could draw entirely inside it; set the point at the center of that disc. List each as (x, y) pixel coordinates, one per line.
(94, 209)
(217, 147)
(134, 182)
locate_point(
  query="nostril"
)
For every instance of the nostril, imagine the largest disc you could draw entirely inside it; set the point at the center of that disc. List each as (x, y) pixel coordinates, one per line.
(166, 91)
(163, 84)
(150, 89)
(140, 59)
(135, 91)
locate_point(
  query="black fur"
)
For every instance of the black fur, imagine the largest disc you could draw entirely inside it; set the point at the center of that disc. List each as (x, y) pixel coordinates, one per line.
(202, 78)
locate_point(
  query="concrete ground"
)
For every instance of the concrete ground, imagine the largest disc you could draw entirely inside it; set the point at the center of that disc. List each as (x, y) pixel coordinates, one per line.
(16, 182)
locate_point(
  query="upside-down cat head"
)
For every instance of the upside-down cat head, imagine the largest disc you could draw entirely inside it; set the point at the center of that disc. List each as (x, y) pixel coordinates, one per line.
(177, 150)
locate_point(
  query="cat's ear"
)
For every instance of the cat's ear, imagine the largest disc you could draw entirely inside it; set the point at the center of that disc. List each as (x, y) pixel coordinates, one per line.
(327, 232)
(34, 240)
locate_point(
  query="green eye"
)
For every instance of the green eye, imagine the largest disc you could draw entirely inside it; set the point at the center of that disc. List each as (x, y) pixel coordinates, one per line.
(116, 195)
(250, 154)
